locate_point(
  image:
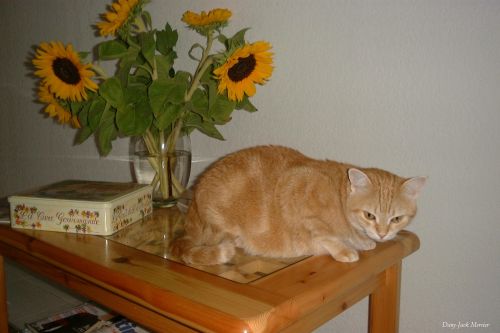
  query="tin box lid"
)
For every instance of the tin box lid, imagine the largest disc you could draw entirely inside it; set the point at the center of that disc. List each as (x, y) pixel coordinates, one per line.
(82, 191)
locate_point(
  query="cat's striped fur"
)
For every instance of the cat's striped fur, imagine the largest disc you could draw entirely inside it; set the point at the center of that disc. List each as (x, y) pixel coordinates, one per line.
(274, 201)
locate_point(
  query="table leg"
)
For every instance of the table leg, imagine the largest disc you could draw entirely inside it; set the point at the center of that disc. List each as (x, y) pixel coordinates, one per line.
(4, 319)
(384, 303)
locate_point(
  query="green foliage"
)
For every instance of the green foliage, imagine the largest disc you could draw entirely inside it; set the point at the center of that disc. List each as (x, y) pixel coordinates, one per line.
(107, 131)
(135, 116)
(147, 95)
(111, 90)
(113, 49)
(166, 40)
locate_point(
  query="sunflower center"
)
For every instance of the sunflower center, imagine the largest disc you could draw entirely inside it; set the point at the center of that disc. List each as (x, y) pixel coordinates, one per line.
(242, 69)
(66, 70)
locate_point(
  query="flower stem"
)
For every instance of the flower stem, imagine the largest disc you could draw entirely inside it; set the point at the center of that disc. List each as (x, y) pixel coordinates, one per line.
(203, 65)
(141, 26)
(99, 71)
(149, 139)
(165, 161)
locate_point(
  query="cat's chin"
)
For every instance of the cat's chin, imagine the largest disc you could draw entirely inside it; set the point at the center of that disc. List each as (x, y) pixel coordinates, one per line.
(378, 239)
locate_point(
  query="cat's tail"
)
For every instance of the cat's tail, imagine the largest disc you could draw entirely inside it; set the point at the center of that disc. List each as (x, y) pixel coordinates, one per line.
(201, 244)
(189, 253)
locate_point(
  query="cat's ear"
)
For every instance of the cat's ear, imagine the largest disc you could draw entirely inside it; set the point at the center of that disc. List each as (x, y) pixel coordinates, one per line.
(412, 187)
(359, 180)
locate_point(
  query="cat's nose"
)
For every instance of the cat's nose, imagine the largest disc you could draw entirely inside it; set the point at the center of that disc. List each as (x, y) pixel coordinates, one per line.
(382, 234)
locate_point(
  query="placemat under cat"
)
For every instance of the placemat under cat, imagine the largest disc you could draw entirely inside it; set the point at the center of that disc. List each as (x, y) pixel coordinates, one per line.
(154, 234)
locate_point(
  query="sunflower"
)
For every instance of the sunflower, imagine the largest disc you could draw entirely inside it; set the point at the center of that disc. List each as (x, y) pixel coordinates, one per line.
(205, 22)
(247, 65)
(54, 107)
(61, 70)
(119, 15)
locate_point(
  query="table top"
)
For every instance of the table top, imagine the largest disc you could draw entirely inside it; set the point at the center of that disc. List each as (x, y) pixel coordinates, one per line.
(267, 297)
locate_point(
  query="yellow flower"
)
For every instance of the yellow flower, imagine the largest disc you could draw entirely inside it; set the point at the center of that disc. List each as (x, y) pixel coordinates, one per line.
(117, 16)
(63, 73)
(205, 22)
(54, 108)
(250, 64)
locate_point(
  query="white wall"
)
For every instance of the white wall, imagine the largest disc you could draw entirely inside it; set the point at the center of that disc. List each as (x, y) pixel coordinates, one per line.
(410, 86)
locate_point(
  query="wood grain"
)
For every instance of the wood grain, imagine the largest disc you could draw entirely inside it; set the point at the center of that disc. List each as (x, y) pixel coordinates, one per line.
(4, 327)
(109, 299)
(384, 303)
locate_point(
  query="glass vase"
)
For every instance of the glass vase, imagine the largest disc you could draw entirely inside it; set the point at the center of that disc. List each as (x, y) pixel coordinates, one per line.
(168, 172)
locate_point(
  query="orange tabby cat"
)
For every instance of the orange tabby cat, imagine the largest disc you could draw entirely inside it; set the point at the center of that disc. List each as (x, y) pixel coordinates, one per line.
(273, 201)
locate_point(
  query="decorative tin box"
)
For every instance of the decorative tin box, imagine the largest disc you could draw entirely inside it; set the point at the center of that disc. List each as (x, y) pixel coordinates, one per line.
(98, 208)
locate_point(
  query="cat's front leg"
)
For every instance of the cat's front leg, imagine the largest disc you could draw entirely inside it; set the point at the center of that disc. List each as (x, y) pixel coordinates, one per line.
(364, 244)
(339, 250)
(360, 241)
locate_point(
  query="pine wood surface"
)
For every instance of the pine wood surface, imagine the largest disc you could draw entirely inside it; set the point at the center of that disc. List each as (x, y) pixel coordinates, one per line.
(3, 295)
(163, 294)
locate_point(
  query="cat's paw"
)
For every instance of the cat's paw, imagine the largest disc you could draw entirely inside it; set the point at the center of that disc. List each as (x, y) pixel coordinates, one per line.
(368, 245)
(226, 251)
(347, 255)
(179, 246)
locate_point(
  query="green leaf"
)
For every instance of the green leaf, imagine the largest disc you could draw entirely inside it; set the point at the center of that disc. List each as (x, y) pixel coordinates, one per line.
(133, 41)
(166, 40)
(95, 112)
(147, 41)
(176, 93)
(85, 131)
(111, 90)
(140, 76)
(143, 73)
(156, 94)
(107, 131)
(83, 55)
(83, 115)
(222, 39)
(125, 119)
(163, 66)
(134, 118)
(104, 138)
(211, 85)
(75, 107)
(169, 91)
(237, 40)
(219, 106)
(206, 127)
(136, 115)
(221, 109)
(136, 92)
(139, 79)
(146, 17)
(208, 77)
(182, 77)
(199, 102)
(245, 104)
(168, 115)
(83, 134)
(112, 49)
(108, 116)
(126, 63)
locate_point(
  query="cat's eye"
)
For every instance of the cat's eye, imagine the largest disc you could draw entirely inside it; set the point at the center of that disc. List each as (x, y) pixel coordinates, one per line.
(369, 216)
(397, 219)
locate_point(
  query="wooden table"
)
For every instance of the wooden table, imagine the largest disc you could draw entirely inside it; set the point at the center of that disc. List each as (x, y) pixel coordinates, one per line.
(167, 296)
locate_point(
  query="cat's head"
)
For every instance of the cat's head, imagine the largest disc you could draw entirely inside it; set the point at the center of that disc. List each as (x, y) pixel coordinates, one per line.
(380, 203)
